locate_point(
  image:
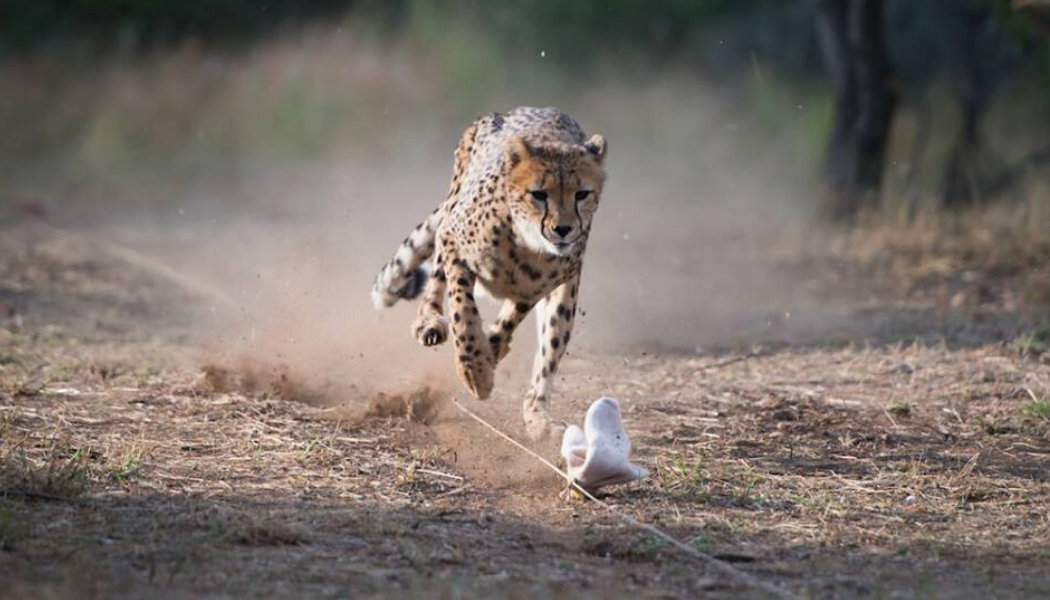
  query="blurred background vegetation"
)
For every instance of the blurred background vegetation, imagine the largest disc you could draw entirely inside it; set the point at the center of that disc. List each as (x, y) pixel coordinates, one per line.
(192, 93)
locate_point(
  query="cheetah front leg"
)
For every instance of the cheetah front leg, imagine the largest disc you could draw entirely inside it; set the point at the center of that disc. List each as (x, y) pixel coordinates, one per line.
(502, 329)
(554, 319)
(430, 326)
(474, 363)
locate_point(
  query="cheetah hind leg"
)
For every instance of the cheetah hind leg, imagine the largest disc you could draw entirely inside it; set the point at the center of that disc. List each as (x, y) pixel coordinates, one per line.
(539, 425)
(554, 316)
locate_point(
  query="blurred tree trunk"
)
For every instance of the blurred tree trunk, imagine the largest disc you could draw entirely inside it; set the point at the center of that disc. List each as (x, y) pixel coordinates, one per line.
(1037, 12)
(979, 71)
(852, 39)
(976, 80)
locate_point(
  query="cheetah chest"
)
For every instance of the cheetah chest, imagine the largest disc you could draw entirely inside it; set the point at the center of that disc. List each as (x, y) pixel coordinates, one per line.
(519, 274)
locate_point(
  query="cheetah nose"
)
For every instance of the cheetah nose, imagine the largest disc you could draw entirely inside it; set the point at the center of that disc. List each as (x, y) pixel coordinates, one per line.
(563, 230)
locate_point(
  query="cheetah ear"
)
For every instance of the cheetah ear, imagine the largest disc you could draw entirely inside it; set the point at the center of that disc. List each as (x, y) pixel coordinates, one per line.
(596, 146)
(518, 150)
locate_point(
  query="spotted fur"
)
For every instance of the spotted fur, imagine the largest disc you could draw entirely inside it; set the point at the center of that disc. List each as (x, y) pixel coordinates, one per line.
(524, 190)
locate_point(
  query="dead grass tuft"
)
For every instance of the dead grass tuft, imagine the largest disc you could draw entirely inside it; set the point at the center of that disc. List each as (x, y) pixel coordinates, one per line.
(55, 471)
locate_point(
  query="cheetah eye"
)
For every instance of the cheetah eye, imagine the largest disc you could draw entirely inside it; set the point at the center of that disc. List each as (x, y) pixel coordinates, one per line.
(539, 195)
(582, 194)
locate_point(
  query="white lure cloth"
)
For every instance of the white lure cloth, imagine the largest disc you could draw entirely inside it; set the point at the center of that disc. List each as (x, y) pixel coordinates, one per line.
(599, 454)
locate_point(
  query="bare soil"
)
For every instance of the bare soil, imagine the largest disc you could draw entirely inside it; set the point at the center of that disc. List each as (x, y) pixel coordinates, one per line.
(911, 461)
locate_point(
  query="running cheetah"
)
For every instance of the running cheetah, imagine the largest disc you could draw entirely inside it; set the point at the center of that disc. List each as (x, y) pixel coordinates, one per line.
(525, 187)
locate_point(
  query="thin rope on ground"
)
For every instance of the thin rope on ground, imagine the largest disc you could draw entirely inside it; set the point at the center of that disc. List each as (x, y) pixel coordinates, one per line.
(721, 565)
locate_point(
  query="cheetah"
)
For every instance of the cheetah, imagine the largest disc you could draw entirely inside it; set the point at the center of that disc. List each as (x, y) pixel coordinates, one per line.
(525, 187)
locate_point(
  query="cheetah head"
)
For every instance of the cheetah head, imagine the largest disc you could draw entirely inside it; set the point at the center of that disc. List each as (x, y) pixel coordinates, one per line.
(553, 191)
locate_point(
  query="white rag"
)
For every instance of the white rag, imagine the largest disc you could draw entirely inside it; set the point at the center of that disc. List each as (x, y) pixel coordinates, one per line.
(599, 454)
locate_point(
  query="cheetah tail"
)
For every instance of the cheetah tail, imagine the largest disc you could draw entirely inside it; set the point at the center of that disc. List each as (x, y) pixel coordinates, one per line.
(405, 275)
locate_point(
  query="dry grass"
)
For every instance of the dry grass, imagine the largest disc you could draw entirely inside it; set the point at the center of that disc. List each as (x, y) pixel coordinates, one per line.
(892, 470)
(993, 256)
(794, 441)
(52, 471)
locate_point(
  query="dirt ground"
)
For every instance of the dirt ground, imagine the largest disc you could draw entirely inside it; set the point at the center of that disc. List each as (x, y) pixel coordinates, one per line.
(913, 462)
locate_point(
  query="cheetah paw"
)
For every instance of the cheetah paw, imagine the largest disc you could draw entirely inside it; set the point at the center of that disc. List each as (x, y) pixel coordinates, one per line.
(479, 378)
(539, 425)
(430, 330)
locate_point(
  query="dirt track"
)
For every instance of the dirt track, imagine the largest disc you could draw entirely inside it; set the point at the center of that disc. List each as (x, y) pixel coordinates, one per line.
(897, 469)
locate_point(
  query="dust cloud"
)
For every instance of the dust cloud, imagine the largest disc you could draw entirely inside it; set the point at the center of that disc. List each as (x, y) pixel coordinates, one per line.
(679, 260)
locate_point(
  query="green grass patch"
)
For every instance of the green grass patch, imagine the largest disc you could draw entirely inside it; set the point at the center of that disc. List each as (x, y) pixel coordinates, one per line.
(1038, 408)
(1032, 343)
(127, 468)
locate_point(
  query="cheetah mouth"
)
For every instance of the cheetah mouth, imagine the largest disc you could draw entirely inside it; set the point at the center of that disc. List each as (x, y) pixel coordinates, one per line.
(563, 247)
